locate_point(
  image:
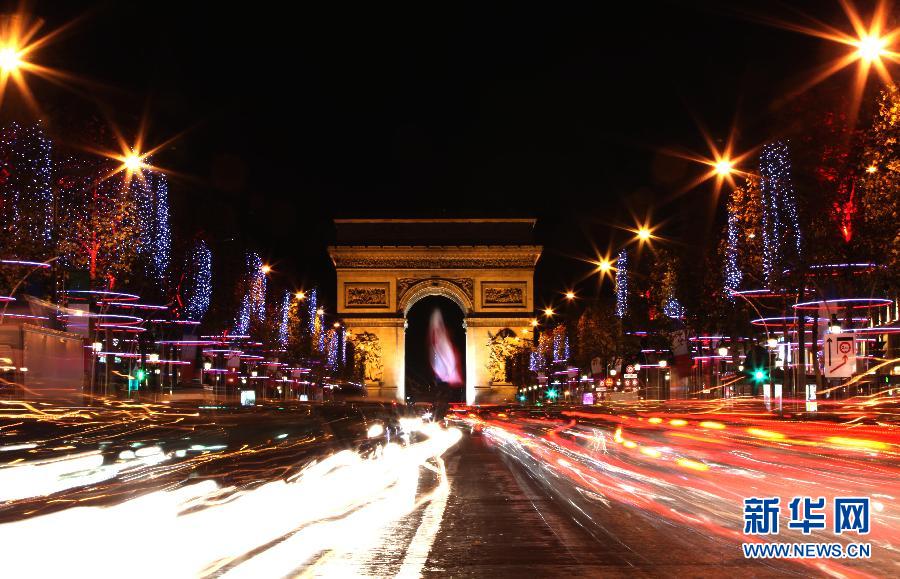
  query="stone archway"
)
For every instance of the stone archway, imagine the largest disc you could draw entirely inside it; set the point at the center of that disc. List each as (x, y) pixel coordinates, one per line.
(385, 266)
(435, 287)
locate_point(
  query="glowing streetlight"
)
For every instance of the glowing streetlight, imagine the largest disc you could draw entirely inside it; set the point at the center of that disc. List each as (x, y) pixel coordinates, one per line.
(337, 324)
(534, 323)
(604, 265)
(724, 167)
(644, 233)
(321, 311)
(300, 295)
(871, 169)
(570, 295)
(663, 363)
(723, 351)
(870, 48)
(133, 163)
(10, 60)
(266, 269)
(548, 312)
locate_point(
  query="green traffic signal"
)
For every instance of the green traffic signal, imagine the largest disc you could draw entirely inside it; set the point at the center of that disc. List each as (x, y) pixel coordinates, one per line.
(759, 375)
(551, 394)
(141, 375)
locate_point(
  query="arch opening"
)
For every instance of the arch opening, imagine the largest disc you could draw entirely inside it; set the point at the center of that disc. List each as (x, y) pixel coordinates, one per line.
(435, 350)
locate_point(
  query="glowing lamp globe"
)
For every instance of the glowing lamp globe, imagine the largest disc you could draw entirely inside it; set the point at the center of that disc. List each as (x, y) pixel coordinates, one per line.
(133, 163)
(9, 59)
(870, 48)
(724, 167)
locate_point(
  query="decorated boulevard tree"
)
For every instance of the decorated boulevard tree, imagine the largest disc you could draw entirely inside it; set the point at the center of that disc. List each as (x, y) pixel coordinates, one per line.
(879, 187)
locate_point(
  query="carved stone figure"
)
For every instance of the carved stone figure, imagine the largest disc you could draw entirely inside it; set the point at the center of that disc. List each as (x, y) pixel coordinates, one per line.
(367, 356)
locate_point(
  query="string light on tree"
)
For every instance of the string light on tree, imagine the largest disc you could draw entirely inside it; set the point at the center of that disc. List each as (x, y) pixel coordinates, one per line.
(732, 274)
(284, 315)
(622, 284)
(25, 186)
(781, 223)
(198, 291)
(151, 196)
(253, 303)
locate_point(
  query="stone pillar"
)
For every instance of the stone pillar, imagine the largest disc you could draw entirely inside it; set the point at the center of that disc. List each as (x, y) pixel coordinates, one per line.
(392, 338)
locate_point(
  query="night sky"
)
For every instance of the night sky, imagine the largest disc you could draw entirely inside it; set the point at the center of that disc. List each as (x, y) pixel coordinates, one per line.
(558, 111)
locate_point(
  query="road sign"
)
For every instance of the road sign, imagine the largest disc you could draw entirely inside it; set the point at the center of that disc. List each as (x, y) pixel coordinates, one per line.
(609, 381)
(839, 351)
(631, 376)
(629, 369)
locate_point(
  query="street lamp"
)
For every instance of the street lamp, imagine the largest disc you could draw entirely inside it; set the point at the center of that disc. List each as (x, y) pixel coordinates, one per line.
(133, 162)
(10, 60)
(870, 48)
(723, 351)
(548, 312)
(570, 295)
(266, 269)
(724, 167)
(300, 295)
(644, 234)
(604, 265)
(835, 326)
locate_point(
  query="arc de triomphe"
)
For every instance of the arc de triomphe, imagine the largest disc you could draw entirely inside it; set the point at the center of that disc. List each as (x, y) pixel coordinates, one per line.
(384, 266)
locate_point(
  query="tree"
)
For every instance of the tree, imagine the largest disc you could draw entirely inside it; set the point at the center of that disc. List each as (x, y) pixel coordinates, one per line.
(26, 198)
(596, 335)
(879, 186)
(101, 232)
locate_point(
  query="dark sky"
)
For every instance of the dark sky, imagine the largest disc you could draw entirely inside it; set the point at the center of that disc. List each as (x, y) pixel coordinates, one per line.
(552, 110)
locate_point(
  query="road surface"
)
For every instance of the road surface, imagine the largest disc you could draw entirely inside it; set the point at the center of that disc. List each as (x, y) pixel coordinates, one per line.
(337, 491)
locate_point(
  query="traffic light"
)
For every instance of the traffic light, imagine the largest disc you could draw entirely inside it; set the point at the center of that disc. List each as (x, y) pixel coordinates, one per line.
(141, 374)
(552, 394)
(759, 375)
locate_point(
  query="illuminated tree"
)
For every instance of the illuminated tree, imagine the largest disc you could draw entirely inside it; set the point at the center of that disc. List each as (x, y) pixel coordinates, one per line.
(26, 197)
(195, 289)
(252, 291)
(879, 187)
(597, 335)
(741, 247)
(100, 229)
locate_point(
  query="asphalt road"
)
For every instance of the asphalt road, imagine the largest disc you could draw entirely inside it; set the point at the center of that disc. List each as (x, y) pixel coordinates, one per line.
(316, 492)
(504, 519)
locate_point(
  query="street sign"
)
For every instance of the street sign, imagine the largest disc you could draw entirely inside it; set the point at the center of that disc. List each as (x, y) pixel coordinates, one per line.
(631, 376)
(839, 352)
(609, 381)
(629, 369)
